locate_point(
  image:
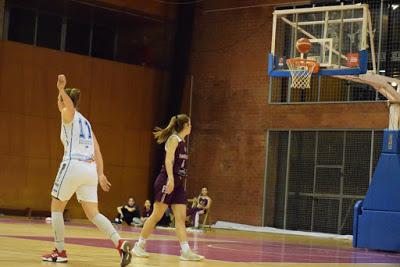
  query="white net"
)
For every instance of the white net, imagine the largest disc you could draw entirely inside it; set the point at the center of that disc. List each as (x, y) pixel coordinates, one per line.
(301, 71)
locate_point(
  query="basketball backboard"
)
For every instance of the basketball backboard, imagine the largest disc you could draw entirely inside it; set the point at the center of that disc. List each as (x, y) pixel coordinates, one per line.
(340, 36)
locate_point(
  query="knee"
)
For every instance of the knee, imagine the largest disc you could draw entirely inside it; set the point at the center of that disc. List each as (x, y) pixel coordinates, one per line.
(91, 213)
(57, 205)
(90, 216)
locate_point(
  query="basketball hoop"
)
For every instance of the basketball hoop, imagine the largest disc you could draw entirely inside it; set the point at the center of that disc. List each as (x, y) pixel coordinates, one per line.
(301, 71)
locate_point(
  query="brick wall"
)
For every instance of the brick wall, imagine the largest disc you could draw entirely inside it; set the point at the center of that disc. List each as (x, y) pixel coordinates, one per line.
(231, 114)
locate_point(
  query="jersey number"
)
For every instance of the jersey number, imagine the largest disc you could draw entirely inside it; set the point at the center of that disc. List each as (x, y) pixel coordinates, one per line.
(82, 134)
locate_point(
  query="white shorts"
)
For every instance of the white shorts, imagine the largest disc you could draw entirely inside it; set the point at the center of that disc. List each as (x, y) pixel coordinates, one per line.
(75, 176)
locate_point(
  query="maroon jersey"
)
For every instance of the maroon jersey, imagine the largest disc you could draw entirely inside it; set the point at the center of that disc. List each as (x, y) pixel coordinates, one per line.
(180, 159)
(178, 195)
(203, 201)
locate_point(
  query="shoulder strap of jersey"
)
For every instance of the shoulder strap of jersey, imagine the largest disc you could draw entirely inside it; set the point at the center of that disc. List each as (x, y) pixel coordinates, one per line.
(172, 135)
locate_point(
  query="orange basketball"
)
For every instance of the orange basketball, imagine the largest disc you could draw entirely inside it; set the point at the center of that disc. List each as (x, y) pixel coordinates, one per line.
(303, 45)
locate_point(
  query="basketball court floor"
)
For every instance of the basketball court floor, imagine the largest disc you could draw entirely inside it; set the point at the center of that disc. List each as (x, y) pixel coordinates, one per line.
(23, 241)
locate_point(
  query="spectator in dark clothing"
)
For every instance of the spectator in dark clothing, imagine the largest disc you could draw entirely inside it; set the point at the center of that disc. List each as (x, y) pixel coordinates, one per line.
(147, 210)
(129, 213)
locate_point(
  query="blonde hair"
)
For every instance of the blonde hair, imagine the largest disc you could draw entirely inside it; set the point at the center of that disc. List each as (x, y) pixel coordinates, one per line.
(176, 124)
(74, 94)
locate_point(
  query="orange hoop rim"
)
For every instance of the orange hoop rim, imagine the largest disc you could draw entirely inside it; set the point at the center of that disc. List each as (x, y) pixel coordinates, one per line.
(304, 62)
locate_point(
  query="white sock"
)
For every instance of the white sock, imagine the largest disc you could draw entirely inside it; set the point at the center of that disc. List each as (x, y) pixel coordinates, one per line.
(141, 241)
(197, 219)
(185, 247)
(57, 222)
(106, 227)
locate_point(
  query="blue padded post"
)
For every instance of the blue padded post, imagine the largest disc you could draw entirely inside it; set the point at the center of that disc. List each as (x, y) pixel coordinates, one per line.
(357, 212)
(377, 218)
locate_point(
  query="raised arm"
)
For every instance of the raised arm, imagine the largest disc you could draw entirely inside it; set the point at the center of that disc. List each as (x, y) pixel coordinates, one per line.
(65, 104)
(171, 146)
(119, 209)
(104, 183)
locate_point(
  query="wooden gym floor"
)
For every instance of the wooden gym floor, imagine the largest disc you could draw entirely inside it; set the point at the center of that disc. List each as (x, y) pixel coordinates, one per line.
(23, 241)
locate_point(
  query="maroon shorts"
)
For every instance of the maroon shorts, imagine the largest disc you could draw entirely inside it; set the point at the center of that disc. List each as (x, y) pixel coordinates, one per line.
(178, 195)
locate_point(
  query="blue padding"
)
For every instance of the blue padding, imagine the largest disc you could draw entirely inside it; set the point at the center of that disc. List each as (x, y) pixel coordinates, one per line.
(357, 212)
(384, 190)
(376, 222)
(272, 71)
(280, 73)
(391, 142)
(379, 230)
(363, 67)
(363, 61)
(332, 72)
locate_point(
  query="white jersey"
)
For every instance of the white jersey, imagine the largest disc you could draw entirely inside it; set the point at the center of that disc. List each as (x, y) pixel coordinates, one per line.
(77, 138)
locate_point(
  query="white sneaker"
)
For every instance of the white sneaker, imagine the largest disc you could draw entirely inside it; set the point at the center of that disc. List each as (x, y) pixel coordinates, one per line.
(140, 251)
(190, 256)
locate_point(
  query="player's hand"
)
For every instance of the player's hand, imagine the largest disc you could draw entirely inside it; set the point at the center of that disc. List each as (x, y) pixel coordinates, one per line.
(61, 82)
(169, 187)
(104, 183)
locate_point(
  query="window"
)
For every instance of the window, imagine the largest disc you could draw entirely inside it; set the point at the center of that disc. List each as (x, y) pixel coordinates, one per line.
(318, 176)
(127, 47)
(103, 42)
(21, 25)
(78, 37)
(83, 28)
(49, 31)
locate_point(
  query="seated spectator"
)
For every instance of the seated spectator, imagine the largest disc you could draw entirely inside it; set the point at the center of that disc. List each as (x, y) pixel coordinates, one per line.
(200, 206)
(129, 213)
(147, 210)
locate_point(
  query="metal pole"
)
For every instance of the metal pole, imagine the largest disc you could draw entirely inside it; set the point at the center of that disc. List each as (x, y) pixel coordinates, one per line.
(314, 180)
(190, 116)
(91, 39)
(371, 40)
(342, 183)
(287, 180)
(264, 206)
(341, 33)
(63, 34)
(378, 66)
(371, 158)
(273, 34)
(36, 27)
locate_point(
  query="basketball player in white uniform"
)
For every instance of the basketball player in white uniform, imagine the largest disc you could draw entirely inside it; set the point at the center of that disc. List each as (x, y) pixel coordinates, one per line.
(80, 172)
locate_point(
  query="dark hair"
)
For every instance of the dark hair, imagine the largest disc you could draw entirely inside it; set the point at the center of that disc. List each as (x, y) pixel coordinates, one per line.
(74, 94)
(131, 198)
(175, 124)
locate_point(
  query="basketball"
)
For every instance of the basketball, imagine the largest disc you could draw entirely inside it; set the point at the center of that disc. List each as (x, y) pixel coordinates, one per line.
(303, 45)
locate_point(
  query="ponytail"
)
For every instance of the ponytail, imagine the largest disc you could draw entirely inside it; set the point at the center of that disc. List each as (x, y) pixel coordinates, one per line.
(176, 124)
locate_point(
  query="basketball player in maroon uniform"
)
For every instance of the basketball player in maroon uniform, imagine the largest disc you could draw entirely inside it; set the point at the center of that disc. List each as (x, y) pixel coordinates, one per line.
(169, 186)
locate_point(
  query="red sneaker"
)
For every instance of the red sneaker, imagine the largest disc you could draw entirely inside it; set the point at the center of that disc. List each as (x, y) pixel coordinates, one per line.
(56, 256)
(124, 248)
